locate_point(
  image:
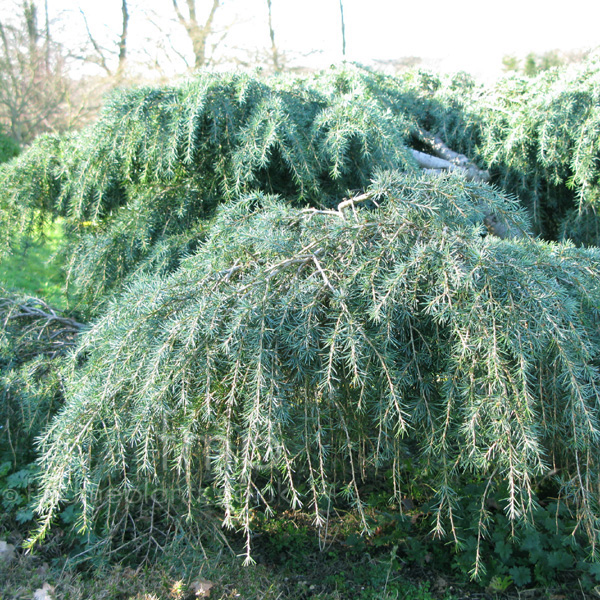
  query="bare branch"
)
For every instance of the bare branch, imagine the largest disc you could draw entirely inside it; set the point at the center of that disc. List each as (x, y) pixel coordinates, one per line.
(40, 328)
(192, 11)
(198, 33)
(179, 14)
(101, 57)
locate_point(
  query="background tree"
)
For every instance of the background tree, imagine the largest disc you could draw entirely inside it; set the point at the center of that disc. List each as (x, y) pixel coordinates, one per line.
(198, 30)
(275, 55)
(510, 63)
(534, 63)
(8, 148)
(34, 86)
(343, 25)
(101, 54)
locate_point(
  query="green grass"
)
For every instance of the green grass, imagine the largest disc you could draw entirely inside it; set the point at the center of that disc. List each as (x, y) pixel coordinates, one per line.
(30, 269)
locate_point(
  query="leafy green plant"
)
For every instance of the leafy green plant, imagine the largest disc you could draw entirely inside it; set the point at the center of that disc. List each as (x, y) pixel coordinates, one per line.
(546, 555)
(16, 494)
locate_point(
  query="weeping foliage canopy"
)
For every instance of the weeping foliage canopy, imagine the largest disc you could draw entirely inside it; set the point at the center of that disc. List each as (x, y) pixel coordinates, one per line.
(139, 186)
(297, 343)
(540, 137)
(284, 305)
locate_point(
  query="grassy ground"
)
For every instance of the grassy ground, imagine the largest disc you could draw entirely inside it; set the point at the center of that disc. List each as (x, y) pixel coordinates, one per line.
(30, 268)
(224, 578)
(292, 564)
(368, 579)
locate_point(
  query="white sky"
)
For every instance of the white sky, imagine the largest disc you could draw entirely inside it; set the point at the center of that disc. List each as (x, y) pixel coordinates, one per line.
(472, 35)
(465, 34)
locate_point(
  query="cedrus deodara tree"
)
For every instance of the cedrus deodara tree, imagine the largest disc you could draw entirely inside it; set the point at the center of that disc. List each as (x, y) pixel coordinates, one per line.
(283, 304)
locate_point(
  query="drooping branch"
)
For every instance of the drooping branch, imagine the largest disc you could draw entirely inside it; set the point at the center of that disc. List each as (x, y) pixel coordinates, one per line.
(224, 338)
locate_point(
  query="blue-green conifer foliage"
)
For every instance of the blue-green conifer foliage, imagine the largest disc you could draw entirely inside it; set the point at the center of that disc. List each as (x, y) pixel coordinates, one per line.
(282, 305)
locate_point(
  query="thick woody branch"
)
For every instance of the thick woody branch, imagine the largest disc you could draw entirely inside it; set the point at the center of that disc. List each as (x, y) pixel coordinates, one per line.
(440, 149)
(428, 161)
(445, 159)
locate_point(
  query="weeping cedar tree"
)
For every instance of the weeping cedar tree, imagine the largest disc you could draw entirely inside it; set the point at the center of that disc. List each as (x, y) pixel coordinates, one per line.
(285, 305)
(309, 347)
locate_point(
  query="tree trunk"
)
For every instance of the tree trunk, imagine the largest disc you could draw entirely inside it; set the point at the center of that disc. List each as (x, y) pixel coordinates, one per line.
(123, 38)
(274, 52)
(197, 32)
(47, 37)
(343, 29)
(30, 13)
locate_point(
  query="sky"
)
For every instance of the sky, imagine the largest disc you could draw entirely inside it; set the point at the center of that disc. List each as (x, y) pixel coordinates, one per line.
(452, 35)
(461, 34)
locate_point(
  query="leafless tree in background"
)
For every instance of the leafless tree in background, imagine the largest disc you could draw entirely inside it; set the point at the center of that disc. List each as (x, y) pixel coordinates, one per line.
(47, 85)
(102, 55)
(343, 29)
(198, 31)
(34, 87)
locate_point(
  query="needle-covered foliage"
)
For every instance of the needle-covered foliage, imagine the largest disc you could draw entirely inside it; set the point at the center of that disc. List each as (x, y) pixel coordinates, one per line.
(139, 186)
(540, 137)
(306, 348)
(284, 307)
